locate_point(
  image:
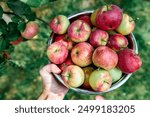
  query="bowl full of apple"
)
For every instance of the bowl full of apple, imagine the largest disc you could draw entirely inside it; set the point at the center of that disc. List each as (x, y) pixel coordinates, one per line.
(95, 50)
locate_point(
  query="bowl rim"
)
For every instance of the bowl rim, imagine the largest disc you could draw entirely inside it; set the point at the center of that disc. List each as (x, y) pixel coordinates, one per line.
(114, 86)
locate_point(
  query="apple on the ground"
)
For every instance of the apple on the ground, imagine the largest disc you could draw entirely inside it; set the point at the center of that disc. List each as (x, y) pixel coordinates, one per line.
(16, 42)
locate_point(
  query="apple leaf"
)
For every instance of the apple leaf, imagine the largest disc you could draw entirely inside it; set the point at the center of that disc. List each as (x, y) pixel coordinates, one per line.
(1, 12)
(3, 27)
(15, 19)
(13, 33)
(21, 26)
(2, 44)
(21, 9)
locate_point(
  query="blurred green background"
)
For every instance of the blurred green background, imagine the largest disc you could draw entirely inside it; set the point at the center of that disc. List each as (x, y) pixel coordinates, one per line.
(22, 80)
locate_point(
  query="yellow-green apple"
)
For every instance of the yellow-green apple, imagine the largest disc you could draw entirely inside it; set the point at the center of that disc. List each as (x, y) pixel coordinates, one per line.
(93, 17)
(66, 63)
(87, 73)
(81, 54)
(57, 52)
(30, 30)
(73, 76)
(86, 19)
(16, 42)
(117, 42)
(98, 37)
(127, 25)
(79, 31)
(129, 61)
(105, 58)
(115, 74)
(100, 80)
(109, 17)
(59, 24)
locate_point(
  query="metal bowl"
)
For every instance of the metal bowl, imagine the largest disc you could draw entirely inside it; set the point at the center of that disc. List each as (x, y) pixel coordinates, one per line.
(120, 82)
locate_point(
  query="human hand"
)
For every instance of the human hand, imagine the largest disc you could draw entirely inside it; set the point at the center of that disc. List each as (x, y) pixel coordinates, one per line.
(52, 89)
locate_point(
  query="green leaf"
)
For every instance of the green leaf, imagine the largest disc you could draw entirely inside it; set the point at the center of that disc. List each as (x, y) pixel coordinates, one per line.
(15, 19)
(21, 9)
(32, 3)
(21, 26)
(3, 27)
(1, 12)
(2, 44)
(13, 32)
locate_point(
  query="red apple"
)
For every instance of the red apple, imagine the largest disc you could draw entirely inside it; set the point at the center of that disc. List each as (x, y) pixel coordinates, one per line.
(86, 19)
(61, 38)
(87, 73)
(127, 25)
(59, 24)
(6, 55)
(117, 42)
(57, 52)
(66, 63)
(100, 80)
(105, 57)
(81, 54)
(16, 42)
(65, 40)
(129, 61)
(79, 31)
(73, 76)
(98, 37)
(109, 17)
(31, 30)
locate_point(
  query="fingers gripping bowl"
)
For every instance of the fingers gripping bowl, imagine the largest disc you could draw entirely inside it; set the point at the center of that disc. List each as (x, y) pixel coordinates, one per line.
(124, 77)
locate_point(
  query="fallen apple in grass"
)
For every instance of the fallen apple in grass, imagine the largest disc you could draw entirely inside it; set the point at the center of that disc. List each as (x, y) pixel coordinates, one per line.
(109, 17)
(30, 30)
(98, 37)
(127, 25)
(16, 42)
(57, 52)
(87, 73)
(117, 42)
(105, 58)
(116, 74)
(81, 54)
(73, 76)
(129, 61)
(100, 80)
(79, 31)
(59, 24)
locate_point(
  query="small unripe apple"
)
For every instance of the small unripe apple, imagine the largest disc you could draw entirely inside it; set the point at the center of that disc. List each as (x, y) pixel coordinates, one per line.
(31, 30)
(115, 74)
